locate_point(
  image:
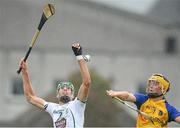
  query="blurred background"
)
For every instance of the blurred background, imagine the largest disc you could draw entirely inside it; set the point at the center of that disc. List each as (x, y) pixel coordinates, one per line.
(128, 40)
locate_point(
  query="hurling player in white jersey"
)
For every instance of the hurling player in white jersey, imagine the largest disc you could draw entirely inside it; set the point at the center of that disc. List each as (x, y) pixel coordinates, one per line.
(70, 111)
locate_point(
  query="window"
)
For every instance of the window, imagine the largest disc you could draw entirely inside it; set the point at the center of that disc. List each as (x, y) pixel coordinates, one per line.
(17, 86)
(170, 45)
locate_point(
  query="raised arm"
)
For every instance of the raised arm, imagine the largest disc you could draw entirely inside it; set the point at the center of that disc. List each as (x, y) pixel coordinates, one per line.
(28, 91)
(86, 79)
(123, 95)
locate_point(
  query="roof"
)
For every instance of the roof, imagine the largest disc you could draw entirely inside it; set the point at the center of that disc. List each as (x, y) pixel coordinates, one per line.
(166, 12)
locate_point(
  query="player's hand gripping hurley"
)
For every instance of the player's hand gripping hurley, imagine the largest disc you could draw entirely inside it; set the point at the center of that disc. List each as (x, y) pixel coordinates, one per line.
(48, 11)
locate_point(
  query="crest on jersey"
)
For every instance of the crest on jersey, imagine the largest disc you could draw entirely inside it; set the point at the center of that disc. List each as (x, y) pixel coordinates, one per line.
(60, 123)
(160, 113)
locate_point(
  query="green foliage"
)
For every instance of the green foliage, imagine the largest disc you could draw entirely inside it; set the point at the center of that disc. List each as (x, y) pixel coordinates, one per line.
(101, 110)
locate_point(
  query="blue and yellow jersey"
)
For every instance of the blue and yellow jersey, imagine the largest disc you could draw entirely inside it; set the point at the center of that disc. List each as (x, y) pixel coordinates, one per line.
(161, 112)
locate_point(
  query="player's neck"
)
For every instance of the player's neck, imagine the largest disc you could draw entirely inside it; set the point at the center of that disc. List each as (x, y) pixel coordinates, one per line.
(158, 98)
(61, 103)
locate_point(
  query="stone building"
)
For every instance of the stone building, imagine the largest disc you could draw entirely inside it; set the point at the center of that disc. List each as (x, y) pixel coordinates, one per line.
(124, 46)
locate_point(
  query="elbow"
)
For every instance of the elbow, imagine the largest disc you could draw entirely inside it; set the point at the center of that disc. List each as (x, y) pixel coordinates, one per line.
(29, 98)
(87, 82)
(125, 95)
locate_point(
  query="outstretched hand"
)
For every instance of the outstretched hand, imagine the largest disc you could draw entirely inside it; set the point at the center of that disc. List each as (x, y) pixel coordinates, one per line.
(111, 93)
(77, 49)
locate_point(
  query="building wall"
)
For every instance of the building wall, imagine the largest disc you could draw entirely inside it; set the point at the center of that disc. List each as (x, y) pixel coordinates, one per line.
(124, 47)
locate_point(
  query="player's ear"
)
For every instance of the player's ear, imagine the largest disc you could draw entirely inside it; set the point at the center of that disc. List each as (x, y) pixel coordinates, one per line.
(72, 96)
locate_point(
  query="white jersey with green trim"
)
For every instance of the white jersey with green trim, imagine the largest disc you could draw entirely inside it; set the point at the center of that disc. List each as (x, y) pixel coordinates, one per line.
(69, 115)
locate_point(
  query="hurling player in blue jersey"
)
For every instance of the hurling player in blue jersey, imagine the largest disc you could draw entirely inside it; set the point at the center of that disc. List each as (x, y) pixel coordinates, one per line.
(153, 104)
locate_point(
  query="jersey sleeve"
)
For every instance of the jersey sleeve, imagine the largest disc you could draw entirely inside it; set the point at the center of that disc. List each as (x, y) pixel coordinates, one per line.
(140, 99)
(78, 106)
(49, 107)
(172, 112)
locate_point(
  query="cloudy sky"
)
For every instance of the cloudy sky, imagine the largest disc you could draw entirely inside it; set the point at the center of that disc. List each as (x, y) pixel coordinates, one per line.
(137, 6)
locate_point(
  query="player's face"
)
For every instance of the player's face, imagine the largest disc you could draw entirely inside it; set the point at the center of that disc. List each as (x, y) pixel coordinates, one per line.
(65, 91)
(153, 87)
